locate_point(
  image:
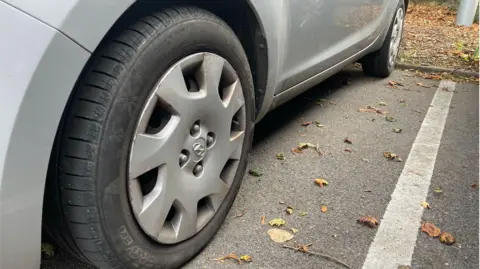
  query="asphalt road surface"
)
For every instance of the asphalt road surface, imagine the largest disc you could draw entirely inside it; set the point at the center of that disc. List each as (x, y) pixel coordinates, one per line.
(439, 150)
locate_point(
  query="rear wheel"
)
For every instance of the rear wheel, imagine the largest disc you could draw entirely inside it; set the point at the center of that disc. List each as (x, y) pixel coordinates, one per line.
(152, 147)
(382, 62)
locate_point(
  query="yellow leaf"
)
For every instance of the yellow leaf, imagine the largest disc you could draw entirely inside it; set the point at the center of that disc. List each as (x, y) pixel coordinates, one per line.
(294, 230)
(263, 220)
(276, 222)
(279, 235)
(324, 208)
(246, 258)
(289, 210)
(321, 182)
(425, 205)
(303, 213)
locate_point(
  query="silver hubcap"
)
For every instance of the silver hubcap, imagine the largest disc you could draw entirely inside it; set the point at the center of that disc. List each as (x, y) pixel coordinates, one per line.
(187, 147)
(396, 37)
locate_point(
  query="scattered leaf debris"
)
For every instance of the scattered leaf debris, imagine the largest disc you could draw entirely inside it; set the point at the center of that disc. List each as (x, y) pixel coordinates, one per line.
(302, 146)
(474, 185)
(430, 229)
(323, 208)
(321, 182)
(231, 256)
(276, 222)
(246, 258)
(255, 173)
(280, 156)
(372, 109)
(390, 119)
(305, 249)
(447, 238)
(392, 156)
(279, 235)
(348, 150)
(48, 249)
(394, 84)
(294, 230)
(317, 123)
(381, 103)
(306, 123)
(397, 130)
(303, 213)
(438, 190)
(238, 215)
(425, 204)
(346, 140)
(422, 85)
(289, 210)
(368, 221)
(262, 220)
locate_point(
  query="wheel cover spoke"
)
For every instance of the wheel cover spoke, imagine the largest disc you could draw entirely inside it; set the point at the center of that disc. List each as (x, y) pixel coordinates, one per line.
(187, 147)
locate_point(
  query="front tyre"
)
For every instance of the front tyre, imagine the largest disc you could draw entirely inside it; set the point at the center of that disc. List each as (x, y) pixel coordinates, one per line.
(153, 144)
(382, 62)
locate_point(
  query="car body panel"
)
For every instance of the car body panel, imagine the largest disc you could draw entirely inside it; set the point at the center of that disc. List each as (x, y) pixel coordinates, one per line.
(34, 87)
(37, 80)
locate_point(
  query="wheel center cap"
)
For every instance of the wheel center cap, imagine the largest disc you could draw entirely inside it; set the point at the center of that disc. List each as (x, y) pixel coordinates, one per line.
(199, 149)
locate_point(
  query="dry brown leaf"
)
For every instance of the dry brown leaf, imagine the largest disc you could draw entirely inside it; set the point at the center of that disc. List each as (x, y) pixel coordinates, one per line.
(246, 258)
(302, 248)
(372, 109)
(241, 213)
(422, 85)
(431, 229)
(348, 150)
(279, 235)
(474, 185)
(425, 205)
(447, 238)
(321, 182)
(262, 221)
(296, 150)
(324, 208)
(392, 156)
(306, 123)
(346, 140)
(231, 256)
(368, 221)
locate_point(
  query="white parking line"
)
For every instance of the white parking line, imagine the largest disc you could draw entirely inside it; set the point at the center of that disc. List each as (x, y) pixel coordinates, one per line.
(396, 237)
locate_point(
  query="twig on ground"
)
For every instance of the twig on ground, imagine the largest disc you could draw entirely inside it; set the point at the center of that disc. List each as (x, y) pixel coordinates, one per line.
(317, 254)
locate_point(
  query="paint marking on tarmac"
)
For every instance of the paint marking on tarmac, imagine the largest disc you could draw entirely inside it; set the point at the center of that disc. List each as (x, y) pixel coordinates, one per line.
(396, 237)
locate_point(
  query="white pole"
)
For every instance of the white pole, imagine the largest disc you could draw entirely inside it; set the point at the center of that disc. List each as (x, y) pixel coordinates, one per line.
(466, 12)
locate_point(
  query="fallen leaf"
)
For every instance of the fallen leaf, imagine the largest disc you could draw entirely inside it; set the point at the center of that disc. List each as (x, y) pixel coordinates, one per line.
(241, 213)
(246, 258)
(422, 85)
(368, 221)
(447, 238)
(303, 213)
(303, 145)
(306, 123)
(430, 229)
(425, 205)
(281, 202)
(393, 83)
(390, 119)
(48, 250)
(255, 173)
(438, 190)
(392, 156)
(372, 109)
(381, 103)
(302, 248)
(289, 210)
(231, 256)
(279, 235)
(397, 130)
(321, 182)
(276, 222)
(262, 221)
(346, 140)
(402, 101)
(348, 150)
(317, 123)
(474, 185)
(280, 156)
(296, 150)
(324, 208)
(294, 230)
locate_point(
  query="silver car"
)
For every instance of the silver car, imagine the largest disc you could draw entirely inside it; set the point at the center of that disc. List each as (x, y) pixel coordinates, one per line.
(126, 125)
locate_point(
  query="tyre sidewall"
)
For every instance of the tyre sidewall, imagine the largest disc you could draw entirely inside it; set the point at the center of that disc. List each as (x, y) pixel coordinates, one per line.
(123, 234)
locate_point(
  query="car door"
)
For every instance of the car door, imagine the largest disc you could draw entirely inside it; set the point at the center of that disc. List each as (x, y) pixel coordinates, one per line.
(323, 33)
